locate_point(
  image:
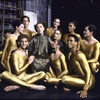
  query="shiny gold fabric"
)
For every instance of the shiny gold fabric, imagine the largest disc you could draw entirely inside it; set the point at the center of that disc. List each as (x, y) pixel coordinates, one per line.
(92, 54)
(10, 45)
(0, 54)
(29, 33)
(83, 77)
(18, 74)
(66, 49)
(49, 32)
(57, 70)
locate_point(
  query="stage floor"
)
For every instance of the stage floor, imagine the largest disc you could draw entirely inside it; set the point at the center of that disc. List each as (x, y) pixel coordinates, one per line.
(50, 93)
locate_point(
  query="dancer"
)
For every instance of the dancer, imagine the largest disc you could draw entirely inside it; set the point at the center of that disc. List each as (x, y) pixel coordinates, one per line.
(83, 78)
(10, 44)
(90, 47)
(58, 67)
(20, 62)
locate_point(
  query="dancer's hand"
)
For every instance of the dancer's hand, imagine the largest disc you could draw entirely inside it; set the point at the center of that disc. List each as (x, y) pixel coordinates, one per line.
(7, 35)
(31, 59)
(83, 93)
(3, 65)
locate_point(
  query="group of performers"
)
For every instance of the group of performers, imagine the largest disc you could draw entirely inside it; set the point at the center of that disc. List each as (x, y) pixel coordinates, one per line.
(68, 60)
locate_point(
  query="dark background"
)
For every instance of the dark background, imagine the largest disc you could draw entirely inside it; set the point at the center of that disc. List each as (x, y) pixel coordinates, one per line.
(83, 11)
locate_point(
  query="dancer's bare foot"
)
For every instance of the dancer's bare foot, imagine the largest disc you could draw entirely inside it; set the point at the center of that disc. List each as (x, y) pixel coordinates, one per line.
(11, 88)
(66, 89)
(38, 87)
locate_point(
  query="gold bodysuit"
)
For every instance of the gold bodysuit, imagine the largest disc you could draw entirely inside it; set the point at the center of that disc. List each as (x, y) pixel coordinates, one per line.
(0, 54)
(57, 70)
(92, 54)
(83, 77)
(29, 33)
(66, 49)
(10, 45)
(18, 75)
(49, 32)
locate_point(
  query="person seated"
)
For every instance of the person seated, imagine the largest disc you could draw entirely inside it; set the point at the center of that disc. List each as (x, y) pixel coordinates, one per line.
(10, 44)
(90, 47)
(83, 77)
(25, 20)
(50, 30)
(39, 47)
(19, 64)
(57, 37)
(58, 66)
(71, 29)
(72, 25)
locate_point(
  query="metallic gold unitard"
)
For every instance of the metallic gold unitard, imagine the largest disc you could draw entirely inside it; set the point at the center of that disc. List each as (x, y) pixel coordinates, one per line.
(19, 75)
(29, 33)
(10, 45)
(83, 77)
(57, 70)
(66, 50)
(92, 54)
(49, 32)
(0, 54)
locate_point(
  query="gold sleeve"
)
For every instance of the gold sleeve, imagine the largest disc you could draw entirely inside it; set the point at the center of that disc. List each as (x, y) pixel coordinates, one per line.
(85, 66)
(5, 49)
(33, 33)
(95, 54)
(64, 66)
(48, 32)
(18, 70)
(51, 72)
(65, 36)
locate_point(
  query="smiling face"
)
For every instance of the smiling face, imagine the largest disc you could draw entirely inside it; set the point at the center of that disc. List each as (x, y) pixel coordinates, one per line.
(25, 22)
(86, 32)
(71, 27)
(40, 28)
(71, 42)
(57, 35)
(20, 28)
(56, 23)
(23, 43)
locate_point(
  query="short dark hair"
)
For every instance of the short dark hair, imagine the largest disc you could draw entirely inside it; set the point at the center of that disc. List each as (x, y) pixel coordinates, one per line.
(25, 17)
(16, 23)
(21, 36)
(92, 28)
(74, 22)
(35, 26)
(74, 36)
